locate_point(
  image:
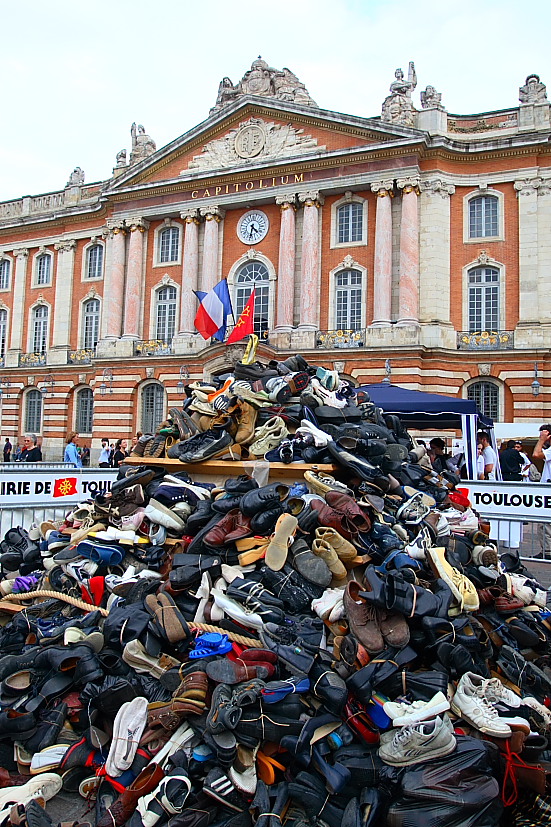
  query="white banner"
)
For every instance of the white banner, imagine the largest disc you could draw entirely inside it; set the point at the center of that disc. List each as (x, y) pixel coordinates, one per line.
(53, 487)
(510, 500)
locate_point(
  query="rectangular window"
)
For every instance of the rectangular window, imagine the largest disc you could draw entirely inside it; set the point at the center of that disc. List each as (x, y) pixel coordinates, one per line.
(484, 300)
(3, 326)
(168, 248)
(350, 220)
(43, 269)
(348, 300)
(94, 270)
(483, 215)
(4, 274)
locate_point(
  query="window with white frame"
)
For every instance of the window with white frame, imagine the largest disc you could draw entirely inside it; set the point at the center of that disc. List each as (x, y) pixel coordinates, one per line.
(33, 412)
(94, 262)
(484, 299)
(44, 269)
(486, 396)
(350, 223)
(84, 411)
(484, 216)
(153, 407)
(348, 300)
(90, 323)
(40, 329)
(4, 274)
(169, 244)
(3, 332)
(255, 275)
(165, 315)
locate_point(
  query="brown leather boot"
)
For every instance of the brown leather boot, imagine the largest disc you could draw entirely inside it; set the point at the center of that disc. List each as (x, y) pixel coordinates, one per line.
(246, 423)
(119, 813)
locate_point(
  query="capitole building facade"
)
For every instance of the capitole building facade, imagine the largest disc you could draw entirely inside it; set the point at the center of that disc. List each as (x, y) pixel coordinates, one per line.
(414, 235)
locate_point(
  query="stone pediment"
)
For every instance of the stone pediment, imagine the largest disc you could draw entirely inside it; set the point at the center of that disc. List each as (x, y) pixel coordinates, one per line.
(263, 81)
(254, 140)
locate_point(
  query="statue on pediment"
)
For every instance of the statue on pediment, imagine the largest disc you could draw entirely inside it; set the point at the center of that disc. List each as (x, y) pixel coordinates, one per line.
(142, 144)
(430, 98)
(263, 81)
(398, 107)
(533, 91)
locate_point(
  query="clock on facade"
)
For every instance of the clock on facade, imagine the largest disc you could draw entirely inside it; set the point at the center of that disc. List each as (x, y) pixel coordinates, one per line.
(253, 227)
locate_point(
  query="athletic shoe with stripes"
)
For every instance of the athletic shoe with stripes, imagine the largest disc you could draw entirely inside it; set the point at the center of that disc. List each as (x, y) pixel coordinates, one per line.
(218, 786)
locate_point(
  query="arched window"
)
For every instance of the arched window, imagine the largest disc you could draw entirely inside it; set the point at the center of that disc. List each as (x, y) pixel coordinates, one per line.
(165, 316)
(348, 300)
(484, 299)
(254, 274)
(486, 396)
(4, 274)
(349, 223)
(90, 324)
(84, 411)
(169, 242)
(483, 216)
(94, 262)
(44, 269)
(153, 407)
(40, 329)
(33, 412)
(3, 332)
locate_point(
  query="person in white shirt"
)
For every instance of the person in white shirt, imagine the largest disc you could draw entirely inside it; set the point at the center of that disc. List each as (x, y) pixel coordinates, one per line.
(105, 454)
(490, 456)
(479, 462)
(543, 451)
(525, 470)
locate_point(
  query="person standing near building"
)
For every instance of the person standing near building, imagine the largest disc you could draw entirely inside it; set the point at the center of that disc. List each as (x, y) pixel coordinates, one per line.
(71, 451)
(511, 463)
(31, 451)
(120, 453)
(542, 451)
(490, 456)
(105, 454)
(525, 470)
(7, 449)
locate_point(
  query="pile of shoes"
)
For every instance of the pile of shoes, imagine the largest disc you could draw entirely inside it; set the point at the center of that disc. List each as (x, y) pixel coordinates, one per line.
(347, 649)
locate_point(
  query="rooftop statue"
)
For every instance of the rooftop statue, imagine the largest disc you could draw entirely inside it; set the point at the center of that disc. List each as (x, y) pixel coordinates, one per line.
(263, 81)
(142, 144)
(533, 91)
(397, 107)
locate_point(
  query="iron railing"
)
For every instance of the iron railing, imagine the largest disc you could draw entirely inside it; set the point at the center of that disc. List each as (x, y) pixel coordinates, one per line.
(329, 339)
(82, 356)
(152, 347)
(31, 359)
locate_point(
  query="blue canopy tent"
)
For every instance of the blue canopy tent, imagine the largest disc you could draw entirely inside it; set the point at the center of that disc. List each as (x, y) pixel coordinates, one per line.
(421, 410)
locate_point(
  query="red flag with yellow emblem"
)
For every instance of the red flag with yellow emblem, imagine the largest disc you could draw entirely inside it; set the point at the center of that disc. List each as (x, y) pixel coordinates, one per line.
(65, 487)
(245, 323)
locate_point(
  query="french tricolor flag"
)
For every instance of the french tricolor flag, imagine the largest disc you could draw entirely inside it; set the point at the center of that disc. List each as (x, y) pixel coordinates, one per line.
(214, 308)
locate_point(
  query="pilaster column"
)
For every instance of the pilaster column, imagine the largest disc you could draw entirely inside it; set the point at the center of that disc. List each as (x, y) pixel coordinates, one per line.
(209, 273)
(190, 270)
(61, 337)
(544, 250)
(286, 268)
(113, 291)
(21, 256)
(408, 310)
(382, 270)
(134, 279)
(310, 262)
(434, 264)
(527, 192)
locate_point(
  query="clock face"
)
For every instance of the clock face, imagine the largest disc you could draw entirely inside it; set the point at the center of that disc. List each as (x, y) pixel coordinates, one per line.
(253, 227)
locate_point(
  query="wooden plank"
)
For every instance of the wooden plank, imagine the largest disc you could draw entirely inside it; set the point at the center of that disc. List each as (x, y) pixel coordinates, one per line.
(220, 467)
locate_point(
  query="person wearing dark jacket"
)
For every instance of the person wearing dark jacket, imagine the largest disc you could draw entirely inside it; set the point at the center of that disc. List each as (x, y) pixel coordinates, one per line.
(511, 463)
(31, 451)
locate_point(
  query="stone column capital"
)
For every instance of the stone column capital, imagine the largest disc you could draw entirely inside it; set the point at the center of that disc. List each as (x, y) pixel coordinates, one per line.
(212, 214)
(65, 245)
(286, 201)
(138, 225)
(528, 186)
(116, 225)
(408, 185)
(190, 215)
(436, 186)
(21, 252)
(383, 188)
(312, 198)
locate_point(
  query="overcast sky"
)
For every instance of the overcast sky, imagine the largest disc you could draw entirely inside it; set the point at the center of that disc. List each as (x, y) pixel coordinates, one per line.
(74, 75)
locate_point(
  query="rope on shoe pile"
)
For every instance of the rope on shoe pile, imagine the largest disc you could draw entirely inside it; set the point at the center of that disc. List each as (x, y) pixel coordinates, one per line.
(81, 604)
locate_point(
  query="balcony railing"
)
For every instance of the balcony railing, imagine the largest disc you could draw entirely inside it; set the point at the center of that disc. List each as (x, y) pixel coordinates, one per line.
(340, 338)
(260, 329)
(486, 340)
(83, 356)
(31, 359)
(152, 347)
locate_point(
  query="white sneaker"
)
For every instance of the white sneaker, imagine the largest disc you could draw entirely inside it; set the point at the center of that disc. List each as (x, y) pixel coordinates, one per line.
(330, 605)
(494, 691)
(470, 703)
(321, 439)
(403, 713)
(418, 547)
(542, 710)
(419, 742)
